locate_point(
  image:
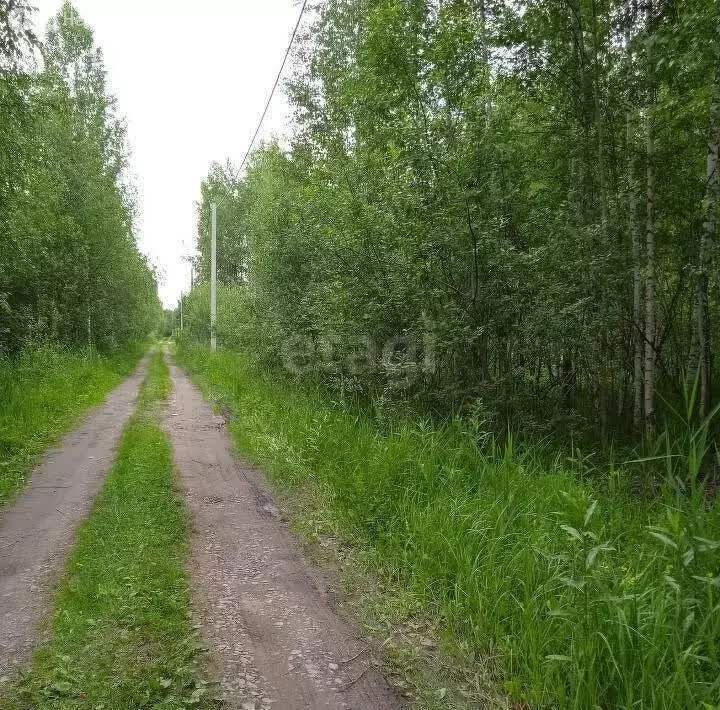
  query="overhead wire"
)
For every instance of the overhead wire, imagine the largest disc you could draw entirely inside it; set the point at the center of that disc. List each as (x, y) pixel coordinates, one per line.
(272, 91)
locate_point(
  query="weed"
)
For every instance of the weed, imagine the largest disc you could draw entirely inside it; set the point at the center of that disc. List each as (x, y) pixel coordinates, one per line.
(587, 596)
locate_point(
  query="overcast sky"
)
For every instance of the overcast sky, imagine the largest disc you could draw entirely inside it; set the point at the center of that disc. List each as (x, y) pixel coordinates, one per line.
(192, 79)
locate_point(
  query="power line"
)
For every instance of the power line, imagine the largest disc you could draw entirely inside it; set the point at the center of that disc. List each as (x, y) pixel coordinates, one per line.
(272, 91)
(214, 206)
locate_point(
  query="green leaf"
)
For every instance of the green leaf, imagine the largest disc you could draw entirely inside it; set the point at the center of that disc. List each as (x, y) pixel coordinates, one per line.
(672, 582)
(573, 532)
(709, 579)
(62, 687)
(688, 556)
(590, 560)
(589, 512)
(664, 539)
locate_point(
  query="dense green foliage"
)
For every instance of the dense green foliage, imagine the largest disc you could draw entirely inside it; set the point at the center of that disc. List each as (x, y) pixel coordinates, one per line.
(121, 635)
(503, 209)
(590, 597)
(503, 215)
(42, 392)
(70, 270)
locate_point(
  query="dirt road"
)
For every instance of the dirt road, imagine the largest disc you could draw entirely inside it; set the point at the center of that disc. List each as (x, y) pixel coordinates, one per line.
(37, 529)
(274, 638)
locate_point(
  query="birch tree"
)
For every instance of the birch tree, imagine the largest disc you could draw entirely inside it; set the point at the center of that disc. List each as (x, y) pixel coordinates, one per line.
(649, 334)
(638, 329)
(520, 182)
(702, 367)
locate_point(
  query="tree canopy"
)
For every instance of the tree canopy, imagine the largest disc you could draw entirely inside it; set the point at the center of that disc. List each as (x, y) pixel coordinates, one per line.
(70, 268)
(508, 209)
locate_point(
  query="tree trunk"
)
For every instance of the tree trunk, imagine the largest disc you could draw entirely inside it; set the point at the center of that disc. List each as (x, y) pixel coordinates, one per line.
(599, 128)
(650, 246)
(634, 229)
(701, 360)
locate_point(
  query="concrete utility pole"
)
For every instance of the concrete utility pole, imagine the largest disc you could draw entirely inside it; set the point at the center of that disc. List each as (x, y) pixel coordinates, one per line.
(213, 277)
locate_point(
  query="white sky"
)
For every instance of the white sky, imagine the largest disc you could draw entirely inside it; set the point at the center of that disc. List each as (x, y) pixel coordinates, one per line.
(192, 79)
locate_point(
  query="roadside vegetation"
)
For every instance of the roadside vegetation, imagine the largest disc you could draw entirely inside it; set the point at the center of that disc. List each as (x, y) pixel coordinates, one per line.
(77, 297)
(43, 391)
(477, 282)
(121, 635)
(569, 589)
(501, 210)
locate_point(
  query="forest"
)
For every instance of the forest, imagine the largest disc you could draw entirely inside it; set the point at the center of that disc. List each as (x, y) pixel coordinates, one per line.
(71, 273)
(468, 307)
(498, 210)
(463, 412)
(77, 297)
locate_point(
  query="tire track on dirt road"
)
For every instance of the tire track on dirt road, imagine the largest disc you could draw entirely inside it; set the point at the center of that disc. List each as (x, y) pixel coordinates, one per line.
(38, 528)
(274, 639)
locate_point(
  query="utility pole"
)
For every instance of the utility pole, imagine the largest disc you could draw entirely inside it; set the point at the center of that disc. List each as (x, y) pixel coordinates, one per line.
(213, 277)
(181, 310)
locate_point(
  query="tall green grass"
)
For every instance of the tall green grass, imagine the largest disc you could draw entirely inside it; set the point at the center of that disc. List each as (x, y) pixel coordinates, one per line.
(42, 393)
(591, 597)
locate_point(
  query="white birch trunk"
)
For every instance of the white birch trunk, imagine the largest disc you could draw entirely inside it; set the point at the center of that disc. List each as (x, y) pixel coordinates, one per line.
(634, 230)
(707, 235)
(650, 245)
(650, 281)
(699, 360)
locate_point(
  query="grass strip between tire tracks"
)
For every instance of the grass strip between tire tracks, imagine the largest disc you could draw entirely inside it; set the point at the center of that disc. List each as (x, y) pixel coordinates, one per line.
(121, 635)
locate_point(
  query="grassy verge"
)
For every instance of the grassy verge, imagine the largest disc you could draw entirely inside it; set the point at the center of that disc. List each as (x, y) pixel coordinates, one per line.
(121, 635)
(564, 592)
(42, 393)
